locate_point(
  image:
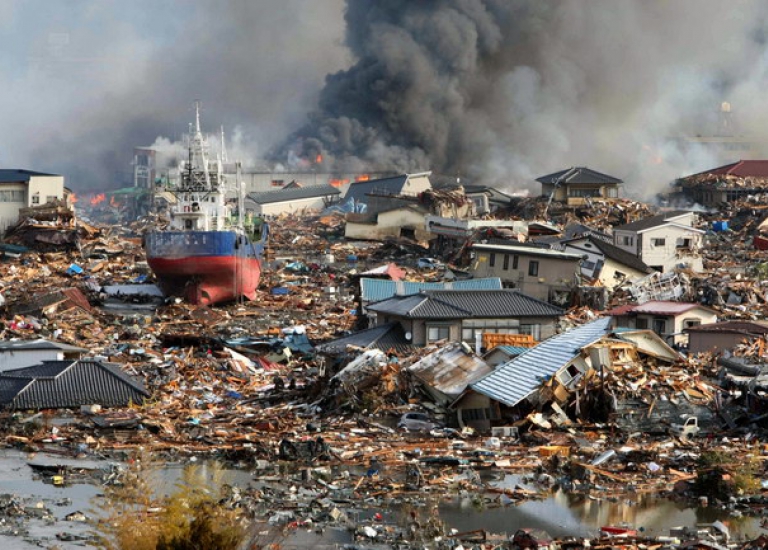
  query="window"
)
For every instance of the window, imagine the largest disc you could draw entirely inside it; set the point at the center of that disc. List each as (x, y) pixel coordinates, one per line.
(435, 333)
(533, 268)
(506, 262)
(689, 323)
(641, 323)
(619, 275)
(533, 330)
(35, 199)
(515, 259)
(51, 198)
(659, 326)
(658, 242)
(12, 196)
(492, 260)
(683, 243)
(589, 266)
(627, 240)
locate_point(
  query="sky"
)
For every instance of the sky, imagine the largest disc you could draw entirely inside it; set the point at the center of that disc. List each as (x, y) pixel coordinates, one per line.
(495, 92)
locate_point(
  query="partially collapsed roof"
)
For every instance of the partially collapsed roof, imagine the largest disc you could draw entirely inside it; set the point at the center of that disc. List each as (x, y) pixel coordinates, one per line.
(515, 380)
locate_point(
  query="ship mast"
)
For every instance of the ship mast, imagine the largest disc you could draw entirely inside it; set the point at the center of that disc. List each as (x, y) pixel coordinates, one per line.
(198, 144)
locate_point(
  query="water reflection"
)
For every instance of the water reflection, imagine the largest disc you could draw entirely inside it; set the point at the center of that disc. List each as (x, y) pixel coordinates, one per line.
(563, 514)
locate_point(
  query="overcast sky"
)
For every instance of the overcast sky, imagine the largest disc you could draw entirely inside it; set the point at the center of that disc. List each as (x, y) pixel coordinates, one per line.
(494, 91)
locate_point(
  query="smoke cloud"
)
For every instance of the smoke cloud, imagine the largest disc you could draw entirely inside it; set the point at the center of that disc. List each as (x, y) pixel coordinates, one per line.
(498, 92)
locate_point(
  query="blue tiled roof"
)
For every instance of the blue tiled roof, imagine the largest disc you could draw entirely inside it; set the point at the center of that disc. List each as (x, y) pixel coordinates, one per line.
(12, 175)
(375, 290)
(516, 379)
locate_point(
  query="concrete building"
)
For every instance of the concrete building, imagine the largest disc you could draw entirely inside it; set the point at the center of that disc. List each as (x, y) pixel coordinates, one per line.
(292, 200)
(401, 221)
(25, 188)
(664, 242)
(538, 272)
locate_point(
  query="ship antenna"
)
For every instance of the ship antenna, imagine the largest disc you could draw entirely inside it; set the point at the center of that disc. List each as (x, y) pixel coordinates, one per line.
(223, 147)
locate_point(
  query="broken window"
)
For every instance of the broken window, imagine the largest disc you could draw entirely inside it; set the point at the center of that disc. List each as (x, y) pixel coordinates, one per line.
(688, 323)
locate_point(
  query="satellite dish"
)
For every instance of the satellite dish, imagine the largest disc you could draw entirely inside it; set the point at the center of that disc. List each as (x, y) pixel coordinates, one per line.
(408, 335)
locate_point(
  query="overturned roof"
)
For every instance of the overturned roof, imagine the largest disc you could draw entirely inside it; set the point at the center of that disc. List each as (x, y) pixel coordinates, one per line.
(68, 384)
(450, 369)
(515, 380)
(452, 304)
(576, 175)
(393, 185)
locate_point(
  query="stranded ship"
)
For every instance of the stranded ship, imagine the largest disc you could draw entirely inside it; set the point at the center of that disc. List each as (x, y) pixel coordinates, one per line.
(205, 255)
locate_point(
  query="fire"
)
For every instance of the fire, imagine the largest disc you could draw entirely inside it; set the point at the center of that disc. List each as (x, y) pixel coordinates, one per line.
(319, 158)
(73, 198)
(363, 177)
(113, 202)
(97, 199)
(338, 182)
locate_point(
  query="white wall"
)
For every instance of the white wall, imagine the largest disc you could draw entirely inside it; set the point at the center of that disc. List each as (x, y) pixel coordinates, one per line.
(290, 207)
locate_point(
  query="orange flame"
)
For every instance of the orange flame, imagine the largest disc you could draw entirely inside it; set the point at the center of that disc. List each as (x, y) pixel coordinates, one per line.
(73, 198)
(113, 202)
(338, 182)
(319, 158)
(97, 199)
(363, 177)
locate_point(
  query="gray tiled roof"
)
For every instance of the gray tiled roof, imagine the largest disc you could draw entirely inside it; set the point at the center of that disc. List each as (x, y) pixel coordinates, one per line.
(452, 304)
(65, 384)
(515, 380)
(293, 193)
(578, 174)
(653, 221)
(383, 337)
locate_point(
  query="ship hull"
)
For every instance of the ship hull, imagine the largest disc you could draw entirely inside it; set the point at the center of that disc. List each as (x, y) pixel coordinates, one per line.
(204, 267)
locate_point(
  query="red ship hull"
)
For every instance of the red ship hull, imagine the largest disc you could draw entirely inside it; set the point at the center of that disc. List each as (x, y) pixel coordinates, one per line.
(207, 280)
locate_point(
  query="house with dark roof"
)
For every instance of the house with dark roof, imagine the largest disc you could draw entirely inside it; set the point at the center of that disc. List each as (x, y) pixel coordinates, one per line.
(487, 199)
(605, 263)
(69, 384)
(293, 199)
(664, 242)
(726, 183)
(670, 320)
(465, 315)
(16, 354)
(575, 185)
(540, 272)
(385, 337)
(26, 188)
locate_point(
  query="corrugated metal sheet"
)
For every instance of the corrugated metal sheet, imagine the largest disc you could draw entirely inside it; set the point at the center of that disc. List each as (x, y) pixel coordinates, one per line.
(66, 384)
(515, 380)
(449, 370)
(375, 290)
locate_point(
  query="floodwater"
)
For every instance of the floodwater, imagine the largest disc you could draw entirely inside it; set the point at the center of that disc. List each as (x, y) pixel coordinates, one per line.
(563, 514)
(559, 514)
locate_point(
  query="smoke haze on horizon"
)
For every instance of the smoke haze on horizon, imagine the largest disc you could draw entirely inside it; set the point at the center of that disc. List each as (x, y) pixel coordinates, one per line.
(495, 91)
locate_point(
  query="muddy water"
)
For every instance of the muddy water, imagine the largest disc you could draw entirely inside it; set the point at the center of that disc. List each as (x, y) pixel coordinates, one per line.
(562, 514)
